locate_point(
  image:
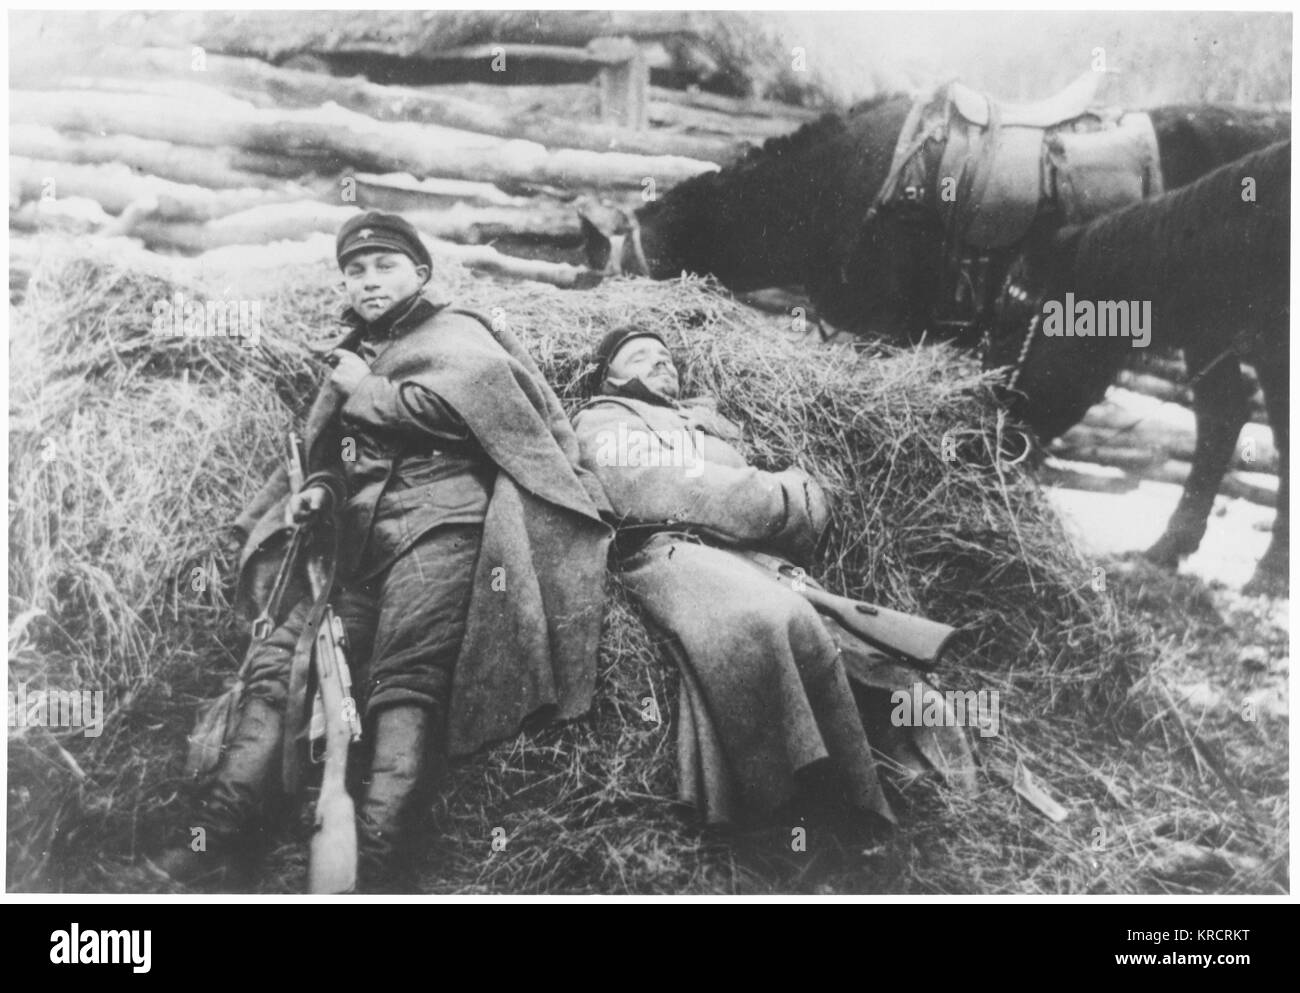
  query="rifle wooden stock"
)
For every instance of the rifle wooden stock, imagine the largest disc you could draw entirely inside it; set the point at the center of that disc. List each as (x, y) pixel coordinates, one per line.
(333, 865)
(915, 638)
(296, 462)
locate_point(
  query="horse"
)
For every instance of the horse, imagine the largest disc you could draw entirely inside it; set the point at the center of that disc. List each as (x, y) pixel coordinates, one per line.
(806, 208)
(783, 213)
(828, 207)
(1212, 261)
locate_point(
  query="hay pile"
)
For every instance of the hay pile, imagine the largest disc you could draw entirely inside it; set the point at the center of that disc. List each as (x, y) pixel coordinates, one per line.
(117, 581)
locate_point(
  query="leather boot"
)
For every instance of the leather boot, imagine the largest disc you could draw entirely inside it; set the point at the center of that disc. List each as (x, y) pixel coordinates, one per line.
(399, 773)
(233, 803)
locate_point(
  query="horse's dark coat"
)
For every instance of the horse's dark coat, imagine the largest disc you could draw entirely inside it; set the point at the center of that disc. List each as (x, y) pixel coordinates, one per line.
(793, 211)
(785, 213)
(1215, 266)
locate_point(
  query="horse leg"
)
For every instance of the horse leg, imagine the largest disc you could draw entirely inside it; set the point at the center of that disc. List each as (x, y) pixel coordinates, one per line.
(1221, 407)
(1273, 573)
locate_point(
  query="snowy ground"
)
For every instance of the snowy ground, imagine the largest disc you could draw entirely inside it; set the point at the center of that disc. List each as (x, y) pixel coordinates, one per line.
(1248, 657)
(1107, 523)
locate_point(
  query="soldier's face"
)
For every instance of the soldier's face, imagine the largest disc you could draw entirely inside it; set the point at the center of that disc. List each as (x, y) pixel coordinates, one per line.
(377, 281)
(648, 360)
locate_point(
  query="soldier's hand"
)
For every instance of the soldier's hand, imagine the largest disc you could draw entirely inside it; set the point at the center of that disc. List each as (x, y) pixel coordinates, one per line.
(349, 370)
(818, 507)
(230, 541)
(306, 504)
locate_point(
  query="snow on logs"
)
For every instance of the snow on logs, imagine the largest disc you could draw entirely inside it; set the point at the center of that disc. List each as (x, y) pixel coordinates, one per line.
(115, 186)
(138, 142)
(301, 218)
(347, 137)
(731, 123)
(1132, 421)
(1136, 436)
(194, 182)
(216, 168)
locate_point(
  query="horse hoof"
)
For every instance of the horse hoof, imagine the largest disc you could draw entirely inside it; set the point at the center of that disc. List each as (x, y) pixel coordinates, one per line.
(1165, 553)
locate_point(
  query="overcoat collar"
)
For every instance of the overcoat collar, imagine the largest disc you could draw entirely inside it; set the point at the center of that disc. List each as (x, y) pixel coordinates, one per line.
(396, 322)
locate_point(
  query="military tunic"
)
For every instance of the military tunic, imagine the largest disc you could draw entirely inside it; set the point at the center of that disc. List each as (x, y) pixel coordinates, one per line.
(417, 487)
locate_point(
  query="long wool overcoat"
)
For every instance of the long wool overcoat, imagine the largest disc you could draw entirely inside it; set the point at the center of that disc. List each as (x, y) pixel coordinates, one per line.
(532, 633)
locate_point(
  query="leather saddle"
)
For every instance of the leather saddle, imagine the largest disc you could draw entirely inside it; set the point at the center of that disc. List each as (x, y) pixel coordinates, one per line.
(995, 155)
(1000, 164)
(1003, 163)
(1066, 105)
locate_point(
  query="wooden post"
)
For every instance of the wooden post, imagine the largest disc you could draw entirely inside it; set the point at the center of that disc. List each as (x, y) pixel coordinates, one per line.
(625, 85)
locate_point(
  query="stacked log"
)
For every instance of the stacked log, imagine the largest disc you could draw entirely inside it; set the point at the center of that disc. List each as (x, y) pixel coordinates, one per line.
(351, 139)
(298, 219)
(1139, 436)
(270, 87)
(1093, 477)
(215, 168)
(1132, 420)
(190, 151)
(1168, 381)
(190, 157)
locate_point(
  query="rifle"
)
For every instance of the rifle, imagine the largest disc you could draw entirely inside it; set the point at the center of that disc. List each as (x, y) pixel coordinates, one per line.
(333, 863)
(917, 639)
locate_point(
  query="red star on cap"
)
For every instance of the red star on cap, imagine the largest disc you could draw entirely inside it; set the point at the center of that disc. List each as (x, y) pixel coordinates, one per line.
(364, 233)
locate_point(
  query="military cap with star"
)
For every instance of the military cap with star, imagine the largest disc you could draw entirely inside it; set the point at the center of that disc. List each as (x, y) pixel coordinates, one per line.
(374, 231)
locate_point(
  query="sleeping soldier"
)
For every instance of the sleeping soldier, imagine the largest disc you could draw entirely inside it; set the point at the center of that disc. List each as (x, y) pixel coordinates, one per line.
(711, 550)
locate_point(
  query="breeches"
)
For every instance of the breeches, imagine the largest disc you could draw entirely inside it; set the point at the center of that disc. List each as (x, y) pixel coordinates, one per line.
(403, 626)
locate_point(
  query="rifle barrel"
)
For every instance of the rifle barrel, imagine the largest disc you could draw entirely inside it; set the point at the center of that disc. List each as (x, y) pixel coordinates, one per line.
(295, 462)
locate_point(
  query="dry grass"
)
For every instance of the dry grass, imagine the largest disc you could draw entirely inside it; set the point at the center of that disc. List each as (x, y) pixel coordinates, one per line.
(158, 441)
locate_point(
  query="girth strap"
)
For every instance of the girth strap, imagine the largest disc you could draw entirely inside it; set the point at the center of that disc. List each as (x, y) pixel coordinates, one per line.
(908, 145)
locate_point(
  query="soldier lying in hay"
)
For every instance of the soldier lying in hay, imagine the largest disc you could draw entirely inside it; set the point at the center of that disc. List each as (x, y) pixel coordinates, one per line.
(470, 565)
(710, 548)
